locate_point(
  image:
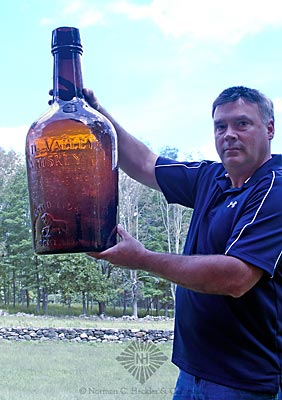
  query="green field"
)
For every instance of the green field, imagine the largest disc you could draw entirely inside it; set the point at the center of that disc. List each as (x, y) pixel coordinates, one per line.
(56, 370)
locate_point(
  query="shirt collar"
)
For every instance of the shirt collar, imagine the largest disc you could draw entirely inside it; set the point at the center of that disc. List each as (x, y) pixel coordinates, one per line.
(273, 163)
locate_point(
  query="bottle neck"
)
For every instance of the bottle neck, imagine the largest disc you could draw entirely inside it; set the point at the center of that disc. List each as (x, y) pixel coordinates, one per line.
(67, 75)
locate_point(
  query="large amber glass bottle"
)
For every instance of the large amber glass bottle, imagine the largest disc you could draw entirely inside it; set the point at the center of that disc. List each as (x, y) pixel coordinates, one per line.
(71, 157)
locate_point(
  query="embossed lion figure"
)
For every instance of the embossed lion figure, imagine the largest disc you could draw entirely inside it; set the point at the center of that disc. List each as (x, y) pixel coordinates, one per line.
(52, 226)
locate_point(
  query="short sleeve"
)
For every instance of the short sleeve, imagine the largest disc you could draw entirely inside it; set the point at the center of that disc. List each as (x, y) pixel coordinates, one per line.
(257, 235)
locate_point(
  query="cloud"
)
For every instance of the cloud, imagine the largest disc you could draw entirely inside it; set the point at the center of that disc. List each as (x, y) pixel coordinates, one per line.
(204, 19)
(77, 12)
(211, 21)
(46, 21)
(13, 138)
(85, 12)
(133, 11)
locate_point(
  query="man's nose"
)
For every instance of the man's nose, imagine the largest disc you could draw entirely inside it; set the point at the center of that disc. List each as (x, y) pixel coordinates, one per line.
(230, 133)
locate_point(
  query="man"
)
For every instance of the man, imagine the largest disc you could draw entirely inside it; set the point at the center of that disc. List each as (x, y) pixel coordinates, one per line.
(228, 318)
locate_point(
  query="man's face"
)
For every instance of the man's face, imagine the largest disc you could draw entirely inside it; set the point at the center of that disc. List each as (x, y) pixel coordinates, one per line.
(242, 140)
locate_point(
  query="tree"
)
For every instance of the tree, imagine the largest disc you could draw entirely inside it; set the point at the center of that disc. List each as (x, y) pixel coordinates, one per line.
(129, 194)
(15, 228)
(176, 219)
(25, 276)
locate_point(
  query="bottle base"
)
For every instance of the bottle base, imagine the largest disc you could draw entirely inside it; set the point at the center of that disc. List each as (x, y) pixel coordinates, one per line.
(92, 249)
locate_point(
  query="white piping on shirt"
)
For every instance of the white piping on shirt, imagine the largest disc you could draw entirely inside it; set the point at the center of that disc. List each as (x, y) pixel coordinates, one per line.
(277, 261)
(183, 165)
(256, 213)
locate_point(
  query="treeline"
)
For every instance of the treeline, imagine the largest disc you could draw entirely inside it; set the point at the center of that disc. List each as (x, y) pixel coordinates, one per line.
(26, 278)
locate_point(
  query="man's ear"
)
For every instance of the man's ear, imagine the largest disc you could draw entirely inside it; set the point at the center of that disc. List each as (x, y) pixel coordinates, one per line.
(270, 129)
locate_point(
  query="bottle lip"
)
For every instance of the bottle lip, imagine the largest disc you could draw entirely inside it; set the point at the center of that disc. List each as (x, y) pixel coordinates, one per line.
(66, 38)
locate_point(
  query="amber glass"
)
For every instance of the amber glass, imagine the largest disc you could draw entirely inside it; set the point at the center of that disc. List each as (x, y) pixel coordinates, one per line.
(71, 157)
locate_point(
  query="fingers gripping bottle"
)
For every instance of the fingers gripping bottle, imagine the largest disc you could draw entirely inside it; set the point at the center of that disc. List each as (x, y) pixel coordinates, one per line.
(71, 158)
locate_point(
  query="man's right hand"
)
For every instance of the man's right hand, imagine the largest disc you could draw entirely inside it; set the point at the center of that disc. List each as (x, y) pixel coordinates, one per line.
(91, 98)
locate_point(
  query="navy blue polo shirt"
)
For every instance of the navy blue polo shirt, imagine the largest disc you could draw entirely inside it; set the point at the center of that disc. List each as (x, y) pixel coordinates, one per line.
(235, 342)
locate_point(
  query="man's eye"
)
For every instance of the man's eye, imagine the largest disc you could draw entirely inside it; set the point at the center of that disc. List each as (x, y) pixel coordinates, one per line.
(220, 128)
(242, 124)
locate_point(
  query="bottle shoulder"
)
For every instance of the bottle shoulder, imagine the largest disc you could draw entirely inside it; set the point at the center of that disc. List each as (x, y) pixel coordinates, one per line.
(75, 110)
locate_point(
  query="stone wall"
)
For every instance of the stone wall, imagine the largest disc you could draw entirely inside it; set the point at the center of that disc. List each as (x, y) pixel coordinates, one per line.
(85, 335)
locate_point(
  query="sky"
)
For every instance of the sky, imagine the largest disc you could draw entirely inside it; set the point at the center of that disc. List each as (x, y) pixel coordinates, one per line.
(155, 65)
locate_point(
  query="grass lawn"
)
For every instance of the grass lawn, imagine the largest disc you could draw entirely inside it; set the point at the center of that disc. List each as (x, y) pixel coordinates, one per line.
(56, 370)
